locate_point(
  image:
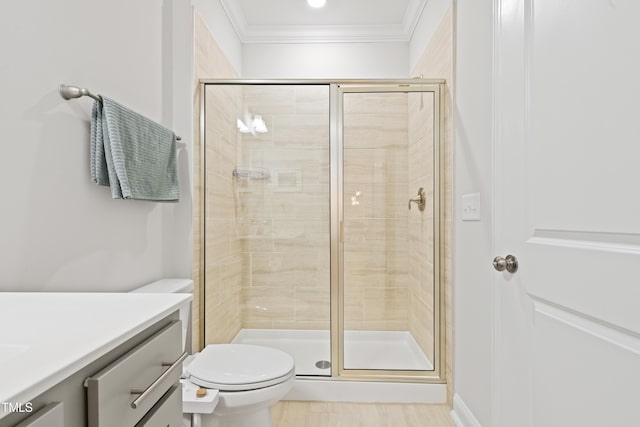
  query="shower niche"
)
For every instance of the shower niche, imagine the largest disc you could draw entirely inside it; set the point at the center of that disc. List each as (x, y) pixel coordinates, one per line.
(310, 241)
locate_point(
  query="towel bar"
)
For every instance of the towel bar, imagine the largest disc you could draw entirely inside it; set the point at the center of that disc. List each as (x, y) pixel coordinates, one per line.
(70, 92)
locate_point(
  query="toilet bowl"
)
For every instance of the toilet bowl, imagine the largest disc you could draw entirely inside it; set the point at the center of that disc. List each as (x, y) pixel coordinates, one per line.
(249, 379)
(246, 379)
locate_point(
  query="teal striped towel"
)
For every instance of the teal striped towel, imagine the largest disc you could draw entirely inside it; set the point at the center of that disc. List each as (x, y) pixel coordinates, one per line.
(133, 154)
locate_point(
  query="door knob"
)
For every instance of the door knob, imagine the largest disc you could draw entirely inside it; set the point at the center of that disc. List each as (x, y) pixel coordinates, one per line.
(510, 263)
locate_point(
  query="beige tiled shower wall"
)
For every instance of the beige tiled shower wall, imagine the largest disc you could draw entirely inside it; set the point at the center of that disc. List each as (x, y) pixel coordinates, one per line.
(283, 194)
(223, 257)
(420, 240)
(437, 62)
(224, 261)
(376, 293)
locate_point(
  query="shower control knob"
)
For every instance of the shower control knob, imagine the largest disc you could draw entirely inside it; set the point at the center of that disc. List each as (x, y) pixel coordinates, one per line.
(510, 263)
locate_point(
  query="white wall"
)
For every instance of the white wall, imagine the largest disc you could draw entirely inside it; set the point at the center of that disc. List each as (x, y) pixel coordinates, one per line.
(473, 274)
(222, 30)
(303, 60)
(178, 60)
(58, 231)
(325, 60)
(430, 18)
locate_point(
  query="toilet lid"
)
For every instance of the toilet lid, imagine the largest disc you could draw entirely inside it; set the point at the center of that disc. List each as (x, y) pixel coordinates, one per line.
(235, 367)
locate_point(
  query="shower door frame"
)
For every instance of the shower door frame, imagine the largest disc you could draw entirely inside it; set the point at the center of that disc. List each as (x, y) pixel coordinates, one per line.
(336, 145)
(337, 231)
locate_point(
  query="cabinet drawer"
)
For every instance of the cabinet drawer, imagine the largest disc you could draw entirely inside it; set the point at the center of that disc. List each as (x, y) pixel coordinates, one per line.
(50, 416)
(121, 394)
(167, 412)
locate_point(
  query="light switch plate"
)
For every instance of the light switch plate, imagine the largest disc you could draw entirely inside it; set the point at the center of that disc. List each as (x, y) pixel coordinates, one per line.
(471, 207)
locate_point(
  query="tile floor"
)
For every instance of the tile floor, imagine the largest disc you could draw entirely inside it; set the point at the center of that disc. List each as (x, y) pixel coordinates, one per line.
(339, 414)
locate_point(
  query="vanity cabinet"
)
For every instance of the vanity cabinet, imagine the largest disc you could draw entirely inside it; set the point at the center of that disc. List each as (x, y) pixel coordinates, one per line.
(51, 415)
(135, 384)
(138, 383)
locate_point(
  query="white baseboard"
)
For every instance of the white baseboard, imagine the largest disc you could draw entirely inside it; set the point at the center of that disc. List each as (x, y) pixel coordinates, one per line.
(462, 415)
(355, 391)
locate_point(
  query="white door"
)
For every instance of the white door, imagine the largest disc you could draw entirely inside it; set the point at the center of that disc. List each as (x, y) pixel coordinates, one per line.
(567, 188)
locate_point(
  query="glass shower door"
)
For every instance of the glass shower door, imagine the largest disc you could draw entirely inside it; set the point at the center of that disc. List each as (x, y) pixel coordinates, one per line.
(267, 219)
(390, 200)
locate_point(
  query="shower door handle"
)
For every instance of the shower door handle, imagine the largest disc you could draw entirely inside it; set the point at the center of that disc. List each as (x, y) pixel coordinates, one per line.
(420, 199)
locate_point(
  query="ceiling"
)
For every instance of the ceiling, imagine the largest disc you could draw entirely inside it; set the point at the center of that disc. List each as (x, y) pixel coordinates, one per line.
(293, 21)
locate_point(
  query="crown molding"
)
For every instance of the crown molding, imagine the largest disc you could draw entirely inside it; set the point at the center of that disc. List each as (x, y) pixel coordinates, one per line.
(236, 17)
(324, 34)
(412, 16)
(256, 34)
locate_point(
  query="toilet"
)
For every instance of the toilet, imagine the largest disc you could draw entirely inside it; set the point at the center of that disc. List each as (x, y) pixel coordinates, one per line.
(242, 381)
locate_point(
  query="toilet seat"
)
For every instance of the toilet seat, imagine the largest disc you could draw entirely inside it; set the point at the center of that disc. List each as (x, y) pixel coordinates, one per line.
(240, 367)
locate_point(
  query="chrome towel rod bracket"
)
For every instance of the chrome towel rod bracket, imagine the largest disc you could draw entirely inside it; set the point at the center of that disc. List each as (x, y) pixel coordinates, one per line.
(71, 92)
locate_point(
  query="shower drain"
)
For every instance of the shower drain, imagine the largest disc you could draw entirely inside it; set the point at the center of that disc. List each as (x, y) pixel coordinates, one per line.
(323, 364)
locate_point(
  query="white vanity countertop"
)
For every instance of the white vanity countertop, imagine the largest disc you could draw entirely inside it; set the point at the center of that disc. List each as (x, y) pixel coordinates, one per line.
(46, 337)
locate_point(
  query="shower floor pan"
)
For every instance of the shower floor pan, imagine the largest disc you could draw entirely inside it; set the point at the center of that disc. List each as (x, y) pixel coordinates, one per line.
(391, 350)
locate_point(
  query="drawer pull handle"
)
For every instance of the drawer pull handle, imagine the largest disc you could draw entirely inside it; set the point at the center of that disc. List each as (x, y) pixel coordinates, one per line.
(154, 385)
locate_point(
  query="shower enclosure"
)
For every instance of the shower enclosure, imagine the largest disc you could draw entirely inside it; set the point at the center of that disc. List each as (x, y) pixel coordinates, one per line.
(321, 224)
